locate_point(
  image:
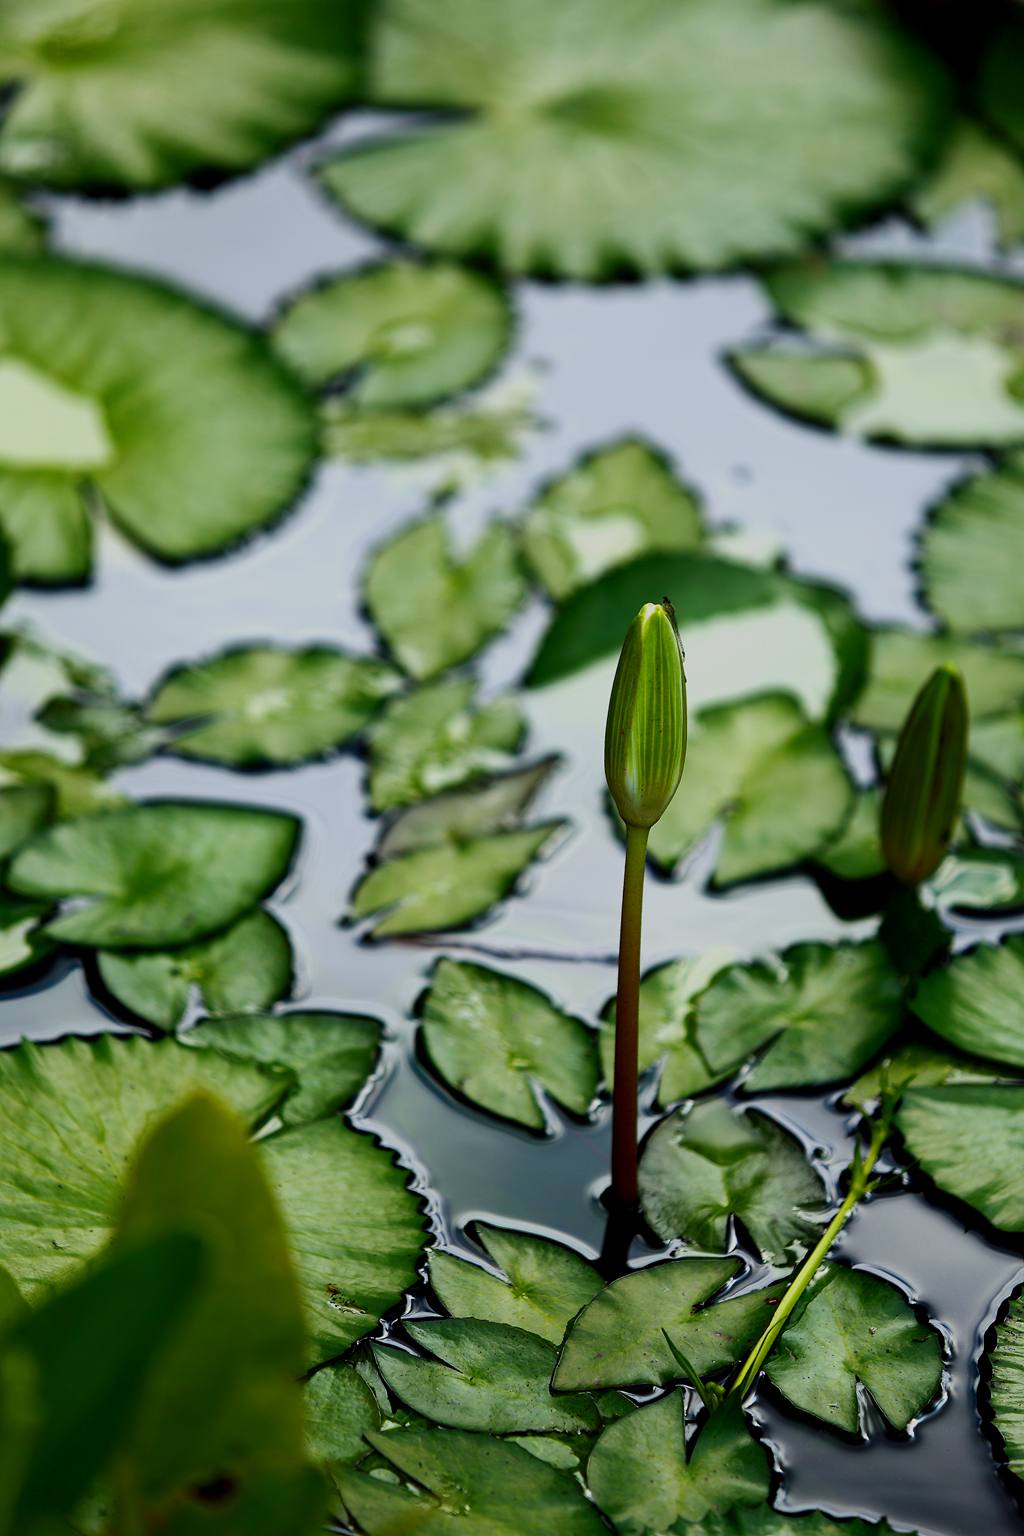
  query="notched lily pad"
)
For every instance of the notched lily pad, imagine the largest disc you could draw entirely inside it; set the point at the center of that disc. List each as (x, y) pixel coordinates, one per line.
(541, 1287)
(971, 550)
(433, 740)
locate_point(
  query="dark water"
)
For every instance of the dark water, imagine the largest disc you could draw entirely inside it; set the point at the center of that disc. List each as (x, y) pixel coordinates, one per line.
(642, 359)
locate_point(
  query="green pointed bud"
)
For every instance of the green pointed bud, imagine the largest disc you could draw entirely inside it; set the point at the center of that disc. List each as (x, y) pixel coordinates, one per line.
(645, 738)
(921, 805)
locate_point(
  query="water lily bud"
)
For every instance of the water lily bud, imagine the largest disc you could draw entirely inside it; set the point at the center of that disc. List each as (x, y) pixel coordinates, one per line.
(921, 805)
(645, 738)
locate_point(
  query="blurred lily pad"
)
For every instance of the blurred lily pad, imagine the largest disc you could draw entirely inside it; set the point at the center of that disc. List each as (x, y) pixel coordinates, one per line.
(667, 1033)
(588, 142)
(969, 1138)
(975, 167)
(1006, 1359)
(23, 941)
(541, 1287)
(433, 740)
(457, 442)
(75, 791)
(976, 1002)
(998, 85)
(22, 230)
(901, 660)
(24, 809)
(971, 549)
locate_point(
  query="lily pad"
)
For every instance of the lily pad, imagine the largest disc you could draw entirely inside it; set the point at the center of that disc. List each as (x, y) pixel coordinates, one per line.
(815, 1014)
(432, 740)
(666, 1022)
(458, 817)
(486, 1376)
(771, 1522)
(340, 1409)
(855, 1331)
(71, 1113)
(914, 1064)
(455, 1483)
(397, 334)
(773, 778)
(999, 80)
(327, 1056)
(433, 610)
(541, 1288)
(976, 1002)
(616, 504)
(971, 548)
(109, 732)
(969, 1138)
(161, 874)
(498, 1041)
(24, 809)
(975, 167)
(642, 1478)
(901, 660)
(247, 967)
(264, 706)
(706, 1166)
(76, 791)
(122, 393)
(22, 941)
(903, 352)
(588, 142)
(1007, 1388)
(619, 1339)
(143, 93)
(459, 442)
(22, 230)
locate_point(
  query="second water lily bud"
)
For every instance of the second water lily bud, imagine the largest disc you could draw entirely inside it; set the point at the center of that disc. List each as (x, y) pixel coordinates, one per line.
(921, 804)
(645, 738)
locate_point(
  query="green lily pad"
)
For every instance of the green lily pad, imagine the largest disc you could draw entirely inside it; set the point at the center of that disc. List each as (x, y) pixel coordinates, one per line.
(666, 1028)
(123, 393)
(76, 791)
(771, 1522)
(975, 879)
(398, 334)
(458, 817)
(855, 853)
(110, 733)
(1006, 1359)
(854, 1330)
(24, 809)
(340, 1409)
(498, 1041)
(433, 610)
(541, 1288)
(914, 1064)
(616, 504)
(706, 1165)
(642, 1478)
(263, 706)
(969, 1138)
(975, 167)
(249, 966)
(619, 1339)
(911, 353)
(161, 874)
(971, 548)
(901, 660)
(460, 442)
(773, 778)
(328, 1056)
(976, 1002)
(998, 84)
(142, 93)
(814, 1014)
(663, 140)
(997, 744)
(486, 1376)
(432, 740)
(455, 1483)
(22, 230)
(22, 940)
(71, 1113)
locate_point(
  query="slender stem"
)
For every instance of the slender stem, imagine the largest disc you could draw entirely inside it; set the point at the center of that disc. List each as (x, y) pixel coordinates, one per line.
(627, 1022)
(859, 1183)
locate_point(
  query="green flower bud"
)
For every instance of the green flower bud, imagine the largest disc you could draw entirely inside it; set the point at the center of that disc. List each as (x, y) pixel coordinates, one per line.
(921, 805)
(645, 738)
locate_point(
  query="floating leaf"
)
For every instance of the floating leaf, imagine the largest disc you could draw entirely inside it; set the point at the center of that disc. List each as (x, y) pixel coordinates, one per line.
(160, 874)
(461, 815)
(616, 504)
(707, 1164)
(110, 734)
(619, 1339)
(22, 941)
(22, 230)
(399, 333)
(772, 777)
(354, 1256)
(261, 706)
(901, 660)
(903, 352)
(913, 1064)
(249, 966)
(498, 1041)
(463, 439)
(976, 1002)
(975, 167)
(814, 1014)
(456, 1483)
(971, 549)
(999, 79)
(148, 94)
(340, 1409)
(24, 809)
(1007, 1388)
(76, 791)
(641, 1477)
(854, 1330)
(667, 1035)
(328, 1056)
(855, 853)
(490, 1377)
(542, 1287)
(434, 611)
(120, 392)
(590, 142)
(771, 1522)
(431, 740)
(969, 1138)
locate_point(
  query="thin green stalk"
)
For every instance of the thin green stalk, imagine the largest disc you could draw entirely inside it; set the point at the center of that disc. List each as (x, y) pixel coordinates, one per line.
(627, 1022)
(860, 1183)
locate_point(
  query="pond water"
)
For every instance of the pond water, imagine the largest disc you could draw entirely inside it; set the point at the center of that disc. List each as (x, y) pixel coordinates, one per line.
(596, 364)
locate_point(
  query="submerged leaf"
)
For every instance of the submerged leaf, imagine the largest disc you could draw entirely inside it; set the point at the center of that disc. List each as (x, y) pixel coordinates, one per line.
(542, 1287)
(432, 740)
(971, 551)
